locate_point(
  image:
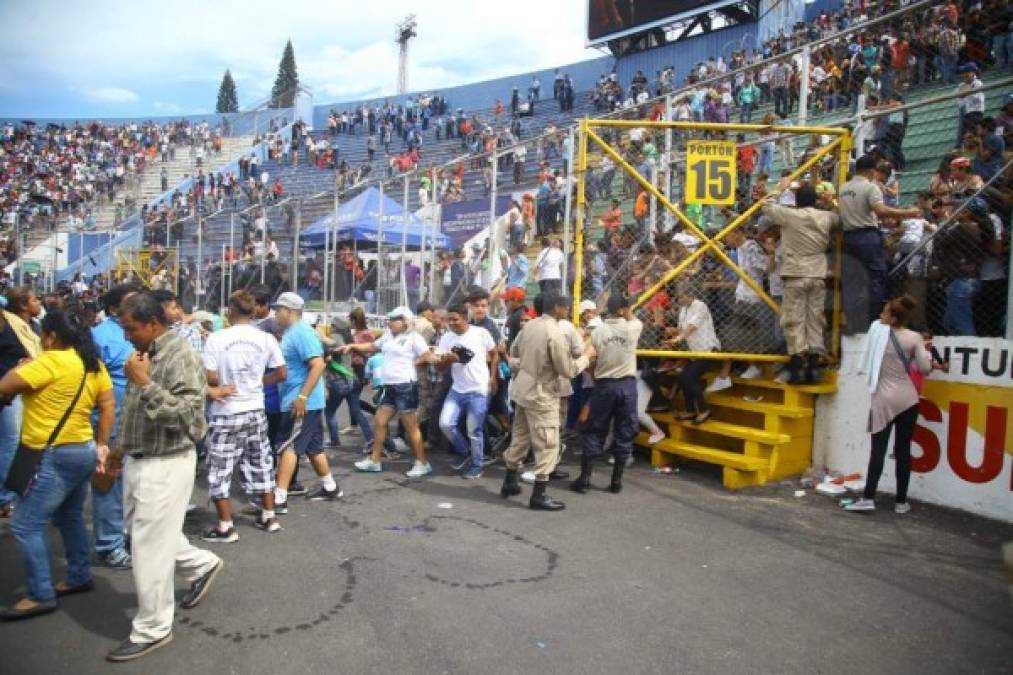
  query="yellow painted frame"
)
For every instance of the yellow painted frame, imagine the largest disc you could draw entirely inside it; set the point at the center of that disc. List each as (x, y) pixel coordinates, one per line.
(842, 146)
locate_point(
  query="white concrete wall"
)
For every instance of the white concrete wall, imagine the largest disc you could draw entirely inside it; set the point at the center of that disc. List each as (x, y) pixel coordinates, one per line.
(962, 450)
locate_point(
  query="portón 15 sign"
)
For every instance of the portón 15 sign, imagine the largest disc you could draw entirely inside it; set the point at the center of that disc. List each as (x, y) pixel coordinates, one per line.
(710, 172)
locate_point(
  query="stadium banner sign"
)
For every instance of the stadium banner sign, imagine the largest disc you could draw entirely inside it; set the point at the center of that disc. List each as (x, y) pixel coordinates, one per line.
(710, 172)
(612, 19)
(962, 453)
(460, 221)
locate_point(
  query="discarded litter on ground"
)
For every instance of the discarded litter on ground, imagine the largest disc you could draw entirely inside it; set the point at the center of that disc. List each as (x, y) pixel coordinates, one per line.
(830, 489)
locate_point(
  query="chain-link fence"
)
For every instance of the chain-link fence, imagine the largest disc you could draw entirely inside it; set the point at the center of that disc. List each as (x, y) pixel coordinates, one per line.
(953, 259)
(679, 230)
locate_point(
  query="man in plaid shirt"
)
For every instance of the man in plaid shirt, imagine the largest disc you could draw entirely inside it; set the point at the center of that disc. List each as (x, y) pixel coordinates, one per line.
(948, 41)
(161, 421)
(236, 359)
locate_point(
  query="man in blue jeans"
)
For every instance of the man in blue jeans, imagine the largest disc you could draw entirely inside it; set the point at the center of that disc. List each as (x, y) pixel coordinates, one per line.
(468, 352)
(863, 279)
(107, 509)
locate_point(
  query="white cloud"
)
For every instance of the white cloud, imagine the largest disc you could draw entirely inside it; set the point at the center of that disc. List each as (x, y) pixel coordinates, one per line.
(340, 54)
(112, 95)
(167, 107)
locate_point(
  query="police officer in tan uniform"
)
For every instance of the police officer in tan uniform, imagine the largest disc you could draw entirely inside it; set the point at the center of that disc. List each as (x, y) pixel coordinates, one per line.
(543, 358)
(613, 401)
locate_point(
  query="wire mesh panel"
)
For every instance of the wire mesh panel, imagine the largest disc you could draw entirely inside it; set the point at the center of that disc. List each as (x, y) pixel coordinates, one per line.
(952, 259)
(695, 234)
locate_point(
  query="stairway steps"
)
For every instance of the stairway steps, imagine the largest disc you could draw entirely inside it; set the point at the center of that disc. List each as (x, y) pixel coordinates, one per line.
(713, 426)
(734, 460)
(736, 402)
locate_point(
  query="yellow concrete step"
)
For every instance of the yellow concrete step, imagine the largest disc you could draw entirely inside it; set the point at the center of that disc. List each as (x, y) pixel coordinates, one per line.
(713, 426)
(827, 386)
(734, 460)
(734, 401)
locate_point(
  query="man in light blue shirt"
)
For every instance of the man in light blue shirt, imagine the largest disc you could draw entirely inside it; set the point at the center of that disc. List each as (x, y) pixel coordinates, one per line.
(517, 268)
(302, 404)
(107, 509)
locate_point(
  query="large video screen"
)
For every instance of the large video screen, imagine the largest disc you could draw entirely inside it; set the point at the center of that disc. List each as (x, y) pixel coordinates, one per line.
(607, 19)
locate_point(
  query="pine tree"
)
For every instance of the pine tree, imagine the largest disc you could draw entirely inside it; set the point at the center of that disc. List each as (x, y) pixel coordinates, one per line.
(228, 100)
(283, 92)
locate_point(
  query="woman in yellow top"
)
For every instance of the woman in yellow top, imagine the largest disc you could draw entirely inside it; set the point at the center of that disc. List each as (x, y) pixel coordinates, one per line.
(47, 386)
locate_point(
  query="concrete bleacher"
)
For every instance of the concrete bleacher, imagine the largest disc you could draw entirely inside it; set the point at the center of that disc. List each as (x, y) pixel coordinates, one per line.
(302, 180)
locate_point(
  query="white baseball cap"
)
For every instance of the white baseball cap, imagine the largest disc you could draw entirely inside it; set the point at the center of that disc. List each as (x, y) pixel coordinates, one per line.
(400, 312)
(289, 300)
(588, 306)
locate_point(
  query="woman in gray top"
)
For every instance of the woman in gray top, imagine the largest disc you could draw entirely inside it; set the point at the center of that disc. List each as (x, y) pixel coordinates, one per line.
(894, 399)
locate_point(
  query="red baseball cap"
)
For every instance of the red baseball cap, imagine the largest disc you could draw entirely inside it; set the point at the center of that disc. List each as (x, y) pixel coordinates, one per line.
(515, 294)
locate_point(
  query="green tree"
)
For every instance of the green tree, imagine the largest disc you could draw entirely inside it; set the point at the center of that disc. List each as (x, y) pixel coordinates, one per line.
(283, 92)
(228, 100)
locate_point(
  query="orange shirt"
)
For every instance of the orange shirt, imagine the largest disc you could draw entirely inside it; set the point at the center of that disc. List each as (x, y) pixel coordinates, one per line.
(643, 201)
(612, 219)
(528, 211)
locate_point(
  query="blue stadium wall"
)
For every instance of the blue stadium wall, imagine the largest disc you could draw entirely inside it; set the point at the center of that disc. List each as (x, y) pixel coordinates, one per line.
(682, 55)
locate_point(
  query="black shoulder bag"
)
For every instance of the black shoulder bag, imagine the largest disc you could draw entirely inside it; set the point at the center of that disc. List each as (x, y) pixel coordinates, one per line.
(25, 465)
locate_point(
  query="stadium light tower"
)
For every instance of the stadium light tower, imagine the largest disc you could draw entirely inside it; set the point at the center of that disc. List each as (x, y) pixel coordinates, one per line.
(403, 32)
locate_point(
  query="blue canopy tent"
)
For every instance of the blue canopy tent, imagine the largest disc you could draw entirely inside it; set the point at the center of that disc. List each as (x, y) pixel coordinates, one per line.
(359, 220)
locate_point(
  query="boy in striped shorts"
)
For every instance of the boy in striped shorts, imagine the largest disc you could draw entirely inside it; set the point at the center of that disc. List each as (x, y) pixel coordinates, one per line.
(236, 360)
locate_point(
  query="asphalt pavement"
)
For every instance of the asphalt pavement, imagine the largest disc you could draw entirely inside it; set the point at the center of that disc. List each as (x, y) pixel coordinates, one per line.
(674, 575)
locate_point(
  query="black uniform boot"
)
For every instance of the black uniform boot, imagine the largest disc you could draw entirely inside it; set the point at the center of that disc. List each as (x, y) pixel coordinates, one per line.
(583, 482)
(812, 365)
(794, 369)
(510, 485)
(543, 502)
(616, 486)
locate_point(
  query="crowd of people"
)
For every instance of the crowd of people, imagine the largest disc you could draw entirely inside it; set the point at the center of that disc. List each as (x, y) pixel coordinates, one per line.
(120, 393)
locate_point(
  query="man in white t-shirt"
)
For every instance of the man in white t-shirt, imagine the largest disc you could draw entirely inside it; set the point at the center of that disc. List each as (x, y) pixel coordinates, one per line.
(549, 266)
(467, 351)
(236, 360)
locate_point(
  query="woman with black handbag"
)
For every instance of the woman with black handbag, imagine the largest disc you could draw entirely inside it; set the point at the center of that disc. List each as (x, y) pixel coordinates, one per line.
(57, 455)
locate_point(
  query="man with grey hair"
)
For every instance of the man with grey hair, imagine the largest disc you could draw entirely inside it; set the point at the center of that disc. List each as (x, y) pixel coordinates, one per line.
(162, 420)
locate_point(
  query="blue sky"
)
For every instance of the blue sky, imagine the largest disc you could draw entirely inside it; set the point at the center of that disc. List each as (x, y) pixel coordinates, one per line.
(109, 58)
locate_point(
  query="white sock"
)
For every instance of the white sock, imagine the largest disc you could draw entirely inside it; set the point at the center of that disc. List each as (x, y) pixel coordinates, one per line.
(224, 525)
(328, 483)
(280, 495)
(266, 514)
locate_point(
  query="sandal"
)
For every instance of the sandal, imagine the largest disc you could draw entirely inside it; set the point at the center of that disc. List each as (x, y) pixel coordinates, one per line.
(63, 590)
(15, 613)
(702, 417)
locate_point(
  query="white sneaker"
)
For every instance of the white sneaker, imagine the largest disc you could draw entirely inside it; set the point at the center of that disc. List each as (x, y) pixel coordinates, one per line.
(368, 466)
(419, 470)
(655, 437)
(861, 505)
(782, 377)
(719, 384)
(751, 373)
(902, 508)
(528, 477)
